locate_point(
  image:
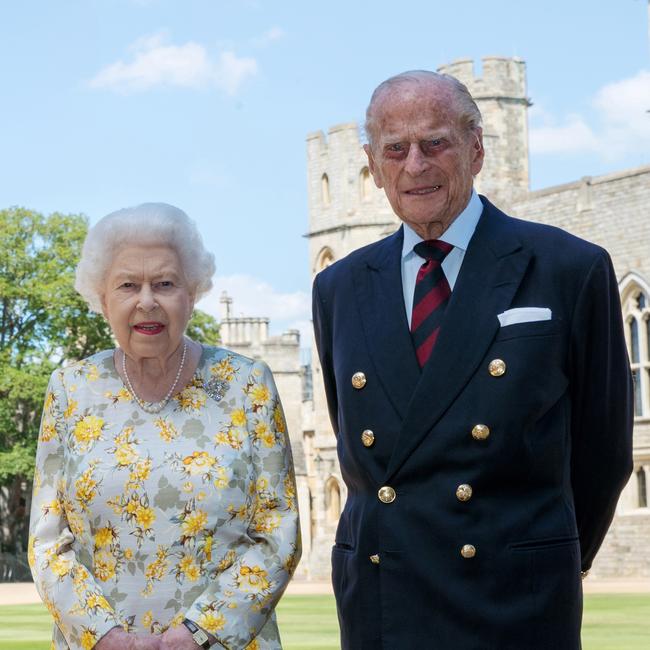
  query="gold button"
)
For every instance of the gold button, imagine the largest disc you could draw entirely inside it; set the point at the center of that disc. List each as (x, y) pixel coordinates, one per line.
(464, 492)
(374, 559)
(358, 380)
(497, 367)
(386, 494)
(468, 551)
(368, 438)
(480, 432)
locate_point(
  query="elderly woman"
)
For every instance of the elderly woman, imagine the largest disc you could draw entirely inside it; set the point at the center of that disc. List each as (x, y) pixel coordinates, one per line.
(164, 510)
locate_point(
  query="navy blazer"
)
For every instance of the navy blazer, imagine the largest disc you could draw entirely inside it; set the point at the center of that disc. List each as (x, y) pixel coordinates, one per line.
(546, 480)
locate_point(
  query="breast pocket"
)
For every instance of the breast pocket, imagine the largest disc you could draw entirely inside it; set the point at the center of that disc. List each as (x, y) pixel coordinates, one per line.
(536, 328)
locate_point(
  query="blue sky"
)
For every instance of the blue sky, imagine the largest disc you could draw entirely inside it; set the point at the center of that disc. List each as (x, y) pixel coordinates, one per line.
(206, 104)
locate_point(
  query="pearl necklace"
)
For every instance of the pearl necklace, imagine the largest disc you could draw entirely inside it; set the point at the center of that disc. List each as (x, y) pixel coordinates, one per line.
(153, 407)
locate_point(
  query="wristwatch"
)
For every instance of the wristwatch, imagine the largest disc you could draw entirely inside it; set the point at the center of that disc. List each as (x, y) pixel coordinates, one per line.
(199, 636)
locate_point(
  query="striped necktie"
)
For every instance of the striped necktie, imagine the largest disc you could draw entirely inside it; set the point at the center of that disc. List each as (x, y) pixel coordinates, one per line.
(431, 296)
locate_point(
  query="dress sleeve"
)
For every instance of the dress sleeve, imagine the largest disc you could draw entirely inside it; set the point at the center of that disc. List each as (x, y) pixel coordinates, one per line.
(241, 599)
(66, 585)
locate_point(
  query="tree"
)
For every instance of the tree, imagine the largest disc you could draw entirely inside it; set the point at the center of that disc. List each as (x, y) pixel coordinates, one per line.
(43, 323)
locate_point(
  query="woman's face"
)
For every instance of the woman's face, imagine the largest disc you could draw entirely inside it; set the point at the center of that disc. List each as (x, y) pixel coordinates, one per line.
(147, 301)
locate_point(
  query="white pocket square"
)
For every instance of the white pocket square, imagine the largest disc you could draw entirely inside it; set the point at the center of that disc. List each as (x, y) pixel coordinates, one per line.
(524, 315)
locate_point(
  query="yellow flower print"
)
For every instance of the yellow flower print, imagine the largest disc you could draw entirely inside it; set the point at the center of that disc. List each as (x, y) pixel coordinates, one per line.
(85, 487)
(198, 463)
(233, 438)
(212, 621)
(289, 492)
(191, 398)
(147, 619)
(266, 521)
(49, 402)
(97, 601)
(104, 565)
(92, 373)
(144, 517)
(38, 481)
(128, 554)
(71, 409)
(240, 512)
(139, 474)
(238, 418)
(188, 566)
(122, 395)
(252, 579)
(166, 430)
(278, 420)
(207, 547)
(227, 561)
(31, 554)
(156, 570)
(194, 523)
(221, 481)
(262, 484)
(105, 536)
(260, 395)
(188, 486)
(253, 645)
(224, 369)
(59, 566)
(264, 434)
(88, 638)
(48, 430)
(88, 430)
(125, 448)
(177, 620)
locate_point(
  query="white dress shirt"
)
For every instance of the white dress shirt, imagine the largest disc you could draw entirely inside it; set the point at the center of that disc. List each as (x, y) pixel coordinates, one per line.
(458, 235)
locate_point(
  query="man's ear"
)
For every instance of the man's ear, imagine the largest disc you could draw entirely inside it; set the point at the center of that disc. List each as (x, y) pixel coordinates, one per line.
(478, 152)
(373, 167)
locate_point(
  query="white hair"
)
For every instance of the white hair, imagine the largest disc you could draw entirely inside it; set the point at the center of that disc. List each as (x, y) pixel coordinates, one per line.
(149, 224)
(468, 112)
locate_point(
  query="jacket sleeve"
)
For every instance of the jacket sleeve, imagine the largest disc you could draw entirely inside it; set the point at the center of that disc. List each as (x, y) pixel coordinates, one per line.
(324, 346)
(64, 582)
(241, 598)
(602, 406)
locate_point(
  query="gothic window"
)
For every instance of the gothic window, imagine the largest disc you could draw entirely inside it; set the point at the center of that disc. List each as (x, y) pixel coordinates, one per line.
(333, 500)
(324, 259)
(636, 310)
(365, 184)
(642, 487)
(325, 189)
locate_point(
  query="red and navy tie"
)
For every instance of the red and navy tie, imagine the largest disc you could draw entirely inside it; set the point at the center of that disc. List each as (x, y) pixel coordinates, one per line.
(431, 296)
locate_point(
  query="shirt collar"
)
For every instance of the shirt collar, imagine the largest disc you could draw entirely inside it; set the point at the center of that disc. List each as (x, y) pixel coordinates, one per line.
(459, 232)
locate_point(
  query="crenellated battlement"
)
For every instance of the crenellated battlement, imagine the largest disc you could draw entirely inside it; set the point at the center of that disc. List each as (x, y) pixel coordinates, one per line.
(501, 77)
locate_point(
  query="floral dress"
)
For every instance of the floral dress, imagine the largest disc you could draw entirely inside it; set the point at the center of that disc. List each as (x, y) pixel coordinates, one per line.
(142, 520)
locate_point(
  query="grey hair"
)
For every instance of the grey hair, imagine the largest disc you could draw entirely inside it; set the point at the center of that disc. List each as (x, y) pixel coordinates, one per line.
(468, 112)
(149, 224)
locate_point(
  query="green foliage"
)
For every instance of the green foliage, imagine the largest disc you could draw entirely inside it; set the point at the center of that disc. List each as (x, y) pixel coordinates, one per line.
(42, 322)
(203, 328)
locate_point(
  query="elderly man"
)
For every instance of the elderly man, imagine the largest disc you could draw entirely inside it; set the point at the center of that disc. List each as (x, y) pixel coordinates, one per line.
(479, 388)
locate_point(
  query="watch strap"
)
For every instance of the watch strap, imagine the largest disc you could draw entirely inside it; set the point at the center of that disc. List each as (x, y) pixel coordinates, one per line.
(199, 636)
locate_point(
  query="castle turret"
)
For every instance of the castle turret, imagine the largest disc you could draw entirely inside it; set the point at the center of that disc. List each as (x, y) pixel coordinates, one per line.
(501, 97)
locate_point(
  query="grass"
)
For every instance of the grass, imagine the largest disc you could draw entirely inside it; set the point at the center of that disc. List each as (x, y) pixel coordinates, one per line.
(611, 622)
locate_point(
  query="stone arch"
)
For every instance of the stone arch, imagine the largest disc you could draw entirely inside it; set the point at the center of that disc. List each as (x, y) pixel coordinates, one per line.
(635, 301)
(325, 189)
(332, 500)
(324, 258)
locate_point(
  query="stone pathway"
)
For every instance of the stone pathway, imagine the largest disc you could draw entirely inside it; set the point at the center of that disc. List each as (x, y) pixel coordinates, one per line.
(24, 593)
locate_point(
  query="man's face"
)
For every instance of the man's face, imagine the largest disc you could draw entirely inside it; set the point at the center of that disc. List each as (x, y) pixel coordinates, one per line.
(422, 157)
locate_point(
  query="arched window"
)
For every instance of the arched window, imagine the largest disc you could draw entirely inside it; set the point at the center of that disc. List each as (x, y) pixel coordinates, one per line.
(324, 259)
(642, 488)
(636, 310)
(333, 500)
(365, 184)
(325, 189)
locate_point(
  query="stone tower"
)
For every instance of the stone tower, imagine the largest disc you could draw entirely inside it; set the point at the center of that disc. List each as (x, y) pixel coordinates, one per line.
(500, 93)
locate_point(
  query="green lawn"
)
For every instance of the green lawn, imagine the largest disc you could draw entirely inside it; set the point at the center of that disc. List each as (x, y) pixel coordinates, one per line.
(611, 622)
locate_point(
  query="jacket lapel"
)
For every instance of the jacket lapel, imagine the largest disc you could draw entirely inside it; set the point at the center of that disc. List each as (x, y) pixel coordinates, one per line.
(378, 286)
(492, 270)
